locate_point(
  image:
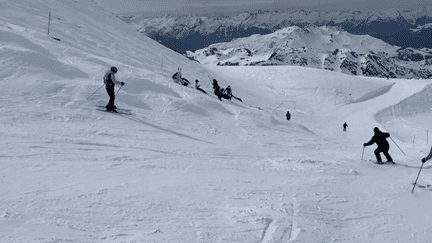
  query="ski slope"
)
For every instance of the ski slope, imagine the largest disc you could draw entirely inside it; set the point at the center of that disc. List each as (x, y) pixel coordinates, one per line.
(186, 167)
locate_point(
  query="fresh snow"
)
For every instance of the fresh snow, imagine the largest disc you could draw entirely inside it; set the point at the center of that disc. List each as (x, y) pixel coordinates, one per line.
(186, 167)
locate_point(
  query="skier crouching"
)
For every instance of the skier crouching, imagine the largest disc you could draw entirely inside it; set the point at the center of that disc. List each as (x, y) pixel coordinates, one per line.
(383, 146)
(110, 82)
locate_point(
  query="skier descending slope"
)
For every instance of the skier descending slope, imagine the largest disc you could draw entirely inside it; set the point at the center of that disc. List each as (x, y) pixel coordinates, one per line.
(345, 125)
(427, 157)
(383, 146)
(110, 82)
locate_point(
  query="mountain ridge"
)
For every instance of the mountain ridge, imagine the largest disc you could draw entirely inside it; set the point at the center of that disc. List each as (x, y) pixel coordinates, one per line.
(328, 48)
(193, 32)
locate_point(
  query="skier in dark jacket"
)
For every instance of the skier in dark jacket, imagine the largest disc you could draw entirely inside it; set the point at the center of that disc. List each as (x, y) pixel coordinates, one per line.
(427, 157)
(228, 92)
(383, 146)
(216, 89)
(110, 82)
(345, 125)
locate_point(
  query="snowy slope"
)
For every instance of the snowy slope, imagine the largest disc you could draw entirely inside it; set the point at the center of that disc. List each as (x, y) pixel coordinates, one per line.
(186, 167)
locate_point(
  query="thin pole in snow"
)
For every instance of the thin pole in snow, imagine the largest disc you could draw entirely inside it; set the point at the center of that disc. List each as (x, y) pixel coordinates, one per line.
(49, 20)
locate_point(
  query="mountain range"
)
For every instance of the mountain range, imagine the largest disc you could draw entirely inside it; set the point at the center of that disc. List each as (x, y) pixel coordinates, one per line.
(193, 32)
(324, 47)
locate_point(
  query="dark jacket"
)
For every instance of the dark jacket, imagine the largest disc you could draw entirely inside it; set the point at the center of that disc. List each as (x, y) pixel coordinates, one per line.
(380, 139)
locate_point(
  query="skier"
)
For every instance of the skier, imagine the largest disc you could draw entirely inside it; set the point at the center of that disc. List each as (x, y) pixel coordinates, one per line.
(383, 146)
(345, 125)
(427, 157)
(110, 81)
(288, 115)
(179, 79)
(197, 86)
(216, 89)
(228, 92)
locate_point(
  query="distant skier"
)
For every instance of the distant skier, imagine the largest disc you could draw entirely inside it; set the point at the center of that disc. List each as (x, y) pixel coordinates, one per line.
(228, 94)
(110, 82)
(427, 157)
(383, 146)
(345, 125)
(288, 115)
(216, 89)
(197, 86)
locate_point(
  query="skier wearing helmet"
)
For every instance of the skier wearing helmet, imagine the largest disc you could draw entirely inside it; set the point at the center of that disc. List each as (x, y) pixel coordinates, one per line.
(383, 146)
(110, 81)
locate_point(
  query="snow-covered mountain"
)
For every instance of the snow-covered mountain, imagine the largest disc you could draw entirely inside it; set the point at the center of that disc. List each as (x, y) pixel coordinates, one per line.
(320, 47)
(186, 167)
(191, 32)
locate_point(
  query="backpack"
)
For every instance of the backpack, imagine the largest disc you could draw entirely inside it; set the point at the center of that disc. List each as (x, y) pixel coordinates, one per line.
(107, 79)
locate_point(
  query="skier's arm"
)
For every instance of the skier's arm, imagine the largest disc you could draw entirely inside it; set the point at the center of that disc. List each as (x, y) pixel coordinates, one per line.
(114, 80)
(427, 157)
(372, 141)
(386, 134)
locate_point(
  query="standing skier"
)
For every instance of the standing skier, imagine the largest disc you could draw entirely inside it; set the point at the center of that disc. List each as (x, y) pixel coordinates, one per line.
(345, 125)
(288, 115)
(427, 157)
(383, 146)
(110, 82)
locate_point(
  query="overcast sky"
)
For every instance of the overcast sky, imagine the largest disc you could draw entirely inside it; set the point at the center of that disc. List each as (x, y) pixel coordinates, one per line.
(225, 6)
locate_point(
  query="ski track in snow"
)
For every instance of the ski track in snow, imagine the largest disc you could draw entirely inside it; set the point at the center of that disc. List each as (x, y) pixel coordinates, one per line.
(186, 167)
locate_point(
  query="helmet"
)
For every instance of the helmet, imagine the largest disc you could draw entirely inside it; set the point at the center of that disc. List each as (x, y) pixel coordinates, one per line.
(376, 129)
(114, 69)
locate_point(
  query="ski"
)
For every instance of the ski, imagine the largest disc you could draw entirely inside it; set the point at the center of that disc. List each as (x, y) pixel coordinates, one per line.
(120, 112)
(117, 109)
(383, 163)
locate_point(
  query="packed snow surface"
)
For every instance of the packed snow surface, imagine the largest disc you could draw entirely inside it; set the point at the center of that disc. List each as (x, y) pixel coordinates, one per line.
(186, 167)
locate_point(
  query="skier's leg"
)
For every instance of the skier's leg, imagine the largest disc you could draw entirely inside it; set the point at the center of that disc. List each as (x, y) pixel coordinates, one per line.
(111, 93)
(377, 155)
(387, 155)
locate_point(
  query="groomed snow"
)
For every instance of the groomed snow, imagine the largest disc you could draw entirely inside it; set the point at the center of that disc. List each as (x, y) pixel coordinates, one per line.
(186, 167)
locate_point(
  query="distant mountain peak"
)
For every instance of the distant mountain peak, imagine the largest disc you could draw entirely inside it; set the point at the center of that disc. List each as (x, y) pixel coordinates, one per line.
(319, 47)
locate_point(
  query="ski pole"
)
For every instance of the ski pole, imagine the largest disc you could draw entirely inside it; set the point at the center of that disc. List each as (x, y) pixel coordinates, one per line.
(209, 81)
(363, 152)
(96, 91)
(397, 145)
(417, 177)
(119, 90)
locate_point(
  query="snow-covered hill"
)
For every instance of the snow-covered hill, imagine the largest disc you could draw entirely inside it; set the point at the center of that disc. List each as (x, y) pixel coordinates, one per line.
(320, 47)
(186, 167)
